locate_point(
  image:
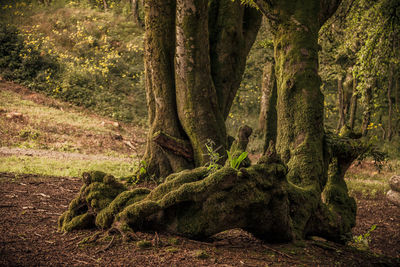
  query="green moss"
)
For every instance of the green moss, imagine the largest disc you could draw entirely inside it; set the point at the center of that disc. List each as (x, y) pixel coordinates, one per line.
(176, 180)
(143, 244)
(83, 221)
(201, 254)
(171, 249)
(106, 216)
(95, 195)
(135, 214)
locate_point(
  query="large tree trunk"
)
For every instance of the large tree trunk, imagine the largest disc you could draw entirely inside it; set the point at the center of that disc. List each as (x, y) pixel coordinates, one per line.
(300, 101)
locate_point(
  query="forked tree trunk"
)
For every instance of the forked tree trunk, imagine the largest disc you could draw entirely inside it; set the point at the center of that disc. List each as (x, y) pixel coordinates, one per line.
(190, 98)
(197, 101)
(160, 88)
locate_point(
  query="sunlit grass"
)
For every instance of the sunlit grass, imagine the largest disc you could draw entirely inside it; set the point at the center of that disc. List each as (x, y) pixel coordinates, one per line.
(64, 167)
(11, 101)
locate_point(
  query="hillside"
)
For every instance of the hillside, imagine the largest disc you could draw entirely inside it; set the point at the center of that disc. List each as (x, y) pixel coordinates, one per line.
(36, 132)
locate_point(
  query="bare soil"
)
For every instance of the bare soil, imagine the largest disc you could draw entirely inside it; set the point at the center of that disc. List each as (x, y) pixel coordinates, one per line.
(30, 206)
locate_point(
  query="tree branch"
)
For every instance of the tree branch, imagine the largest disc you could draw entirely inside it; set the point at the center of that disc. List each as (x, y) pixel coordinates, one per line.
(175, 145)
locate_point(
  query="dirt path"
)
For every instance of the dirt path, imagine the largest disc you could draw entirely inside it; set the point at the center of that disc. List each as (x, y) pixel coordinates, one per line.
(9, 151)
(31, 204)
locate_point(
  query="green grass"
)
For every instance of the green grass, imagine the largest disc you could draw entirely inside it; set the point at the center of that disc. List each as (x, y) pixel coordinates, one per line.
(367, 181)
(64, 167)
(12, 101)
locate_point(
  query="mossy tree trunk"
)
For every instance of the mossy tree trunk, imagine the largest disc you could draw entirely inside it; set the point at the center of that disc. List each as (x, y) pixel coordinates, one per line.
(301, 142)
(190, 91)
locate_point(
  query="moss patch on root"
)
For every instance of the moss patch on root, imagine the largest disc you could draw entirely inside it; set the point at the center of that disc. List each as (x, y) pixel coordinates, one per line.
(98, 191)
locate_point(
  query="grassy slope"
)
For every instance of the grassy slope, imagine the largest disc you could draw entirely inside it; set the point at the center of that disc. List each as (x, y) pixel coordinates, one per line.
(54, 125)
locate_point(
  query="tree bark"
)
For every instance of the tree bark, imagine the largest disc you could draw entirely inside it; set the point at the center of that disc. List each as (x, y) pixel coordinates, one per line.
(268, 115)
(105, 5)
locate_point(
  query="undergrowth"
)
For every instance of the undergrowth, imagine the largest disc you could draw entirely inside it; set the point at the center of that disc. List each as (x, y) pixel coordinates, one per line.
(85, 56)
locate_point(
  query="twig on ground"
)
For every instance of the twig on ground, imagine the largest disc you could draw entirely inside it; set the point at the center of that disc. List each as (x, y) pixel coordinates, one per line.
(277, 251)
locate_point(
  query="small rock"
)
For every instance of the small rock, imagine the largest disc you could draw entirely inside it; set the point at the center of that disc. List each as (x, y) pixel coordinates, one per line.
(317, 238)
(14, 115)
(117, 137)
(394, 183)
(393, 197)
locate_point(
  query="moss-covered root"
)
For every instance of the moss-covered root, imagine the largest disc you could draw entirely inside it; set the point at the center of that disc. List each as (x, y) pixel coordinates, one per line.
(253, 199)
(106, 216)
(98, 191)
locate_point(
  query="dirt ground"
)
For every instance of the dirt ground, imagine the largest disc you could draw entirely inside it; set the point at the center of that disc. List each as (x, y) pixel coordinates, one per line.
(30, 206)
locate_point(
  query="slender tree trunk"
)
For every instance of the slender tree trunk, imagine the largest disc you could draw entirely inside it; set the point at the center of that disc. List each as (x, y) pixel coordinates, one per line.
(389, 132)
(340, 103)
(396, 97)
(105, 5)
(135, 13)
(160, 88)
(353, 105)
(268, 116)
(347, 94)
(367, 110)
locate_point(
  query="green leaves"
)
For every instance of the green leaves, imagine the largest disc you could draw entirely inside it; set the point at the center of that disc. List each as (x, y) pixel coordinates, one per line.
(234, 162)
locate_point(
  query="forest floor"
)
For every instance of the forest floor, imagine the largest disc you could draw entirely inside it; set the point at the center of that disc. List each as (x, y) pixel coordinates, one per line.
(31, 204)
(44, 146)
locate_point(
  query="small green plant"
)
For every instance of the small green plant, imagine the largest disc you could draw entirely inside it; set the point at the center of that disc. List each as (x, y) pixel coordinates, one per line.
(213, 155)
(362, 241)
(234, 162)
(201, 254)
(29, 134)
